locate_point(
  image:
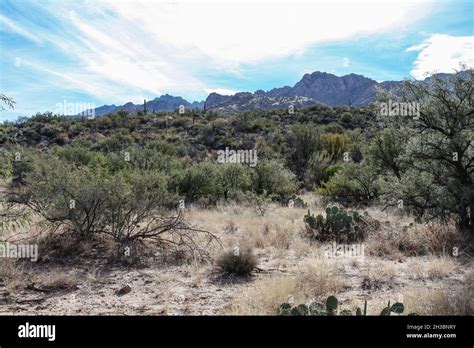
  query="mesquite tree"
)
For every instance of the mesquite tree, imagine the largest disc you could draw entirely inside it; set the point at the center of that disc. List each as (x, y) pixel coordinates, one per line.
(438, 156)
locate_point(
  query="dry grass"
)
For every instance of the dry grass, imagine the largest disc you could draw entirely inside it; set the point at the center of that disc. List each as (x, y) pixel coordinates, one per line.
(58, 280)
(400, 258)
(441, 301)
(383, 269)
(263, 298)
(278, 232)
(436, 239)
(378, 274)
(239, 263)
(16, 276)
(432, 268)
(315, 280)
(397, 239)
(13, 275)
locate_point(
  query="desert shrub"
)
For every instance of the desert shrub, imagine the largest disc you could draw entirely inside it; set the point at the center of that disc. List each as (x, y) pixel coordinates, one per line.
(317, 166)
(338, 225)
(201, 180)
(335, 145)
(332, 127)
(6, 163)
(234, 178)
(351, 184)
(437, 177)
(386, 150)
(237, 263)
(273, 179)
(82, 156)
(129, 205)
(64, 195)
(437, 239)
(20, 165)
(303, 141)
(170, 146)
(297, 201)
(346, 120)
(157, 157)
(356, 155)
(116, 142)
(258, 203)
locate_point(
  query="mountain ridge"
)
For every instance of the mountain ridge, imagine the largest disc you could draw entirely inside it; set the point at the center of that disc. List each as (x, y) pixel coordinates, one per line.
(316, 88)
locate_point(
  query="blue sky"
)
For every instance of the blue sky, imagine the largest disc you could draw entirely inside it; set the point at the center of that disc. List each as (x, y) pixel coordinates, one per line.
(85, 53)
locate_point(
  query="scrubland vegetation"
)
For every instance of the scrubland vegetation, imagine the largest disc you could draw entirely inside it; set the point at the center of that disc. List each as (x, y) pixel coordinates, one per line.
(140, 200)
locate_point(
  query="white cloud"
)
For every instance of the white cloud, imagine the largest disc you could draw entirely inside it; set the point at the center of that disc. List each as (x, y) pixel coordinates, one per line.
(155, 47)
(12, 26)
(442, 54)
(222, 91)
(231, 33)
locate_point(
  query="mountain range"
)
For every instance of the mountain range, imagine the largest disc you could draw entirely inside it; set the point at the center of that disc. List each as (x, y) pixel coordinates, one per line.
(164, 103)
(316, 88)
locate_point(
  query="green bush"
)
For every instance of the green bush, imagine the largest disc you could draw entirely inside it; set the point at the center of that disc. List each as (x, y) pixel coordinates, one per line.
(335, 145)
(201, 180)
(317, 167)
(86, 202)
(271, 178)
(127, 205)
(303, 141)
(235, 178)
(351, 184)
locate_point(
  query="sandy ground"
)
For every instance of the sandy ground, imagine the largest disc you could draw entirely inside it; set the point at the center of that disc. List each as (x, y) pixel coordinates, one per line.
(289, 267)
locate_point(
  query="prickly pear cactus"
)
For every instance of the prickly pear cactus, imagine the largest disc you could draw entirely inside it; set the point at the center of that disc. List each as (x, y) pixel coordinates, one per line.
(330, 308)
(316, 308)
(338, 225)
(331, 305)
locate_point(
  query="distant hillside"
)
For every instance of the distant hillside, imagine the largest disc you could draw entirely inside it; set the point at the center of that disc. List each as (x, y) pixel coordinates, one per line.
(164, 103)
(318, 88)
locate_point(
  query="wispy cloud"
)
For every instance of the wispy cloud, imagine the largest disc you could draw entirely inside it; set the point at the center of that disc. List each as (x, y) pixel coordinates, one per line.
(157, 47)
(223, 91)
(119, 51)
(9, 25)
(442, 54)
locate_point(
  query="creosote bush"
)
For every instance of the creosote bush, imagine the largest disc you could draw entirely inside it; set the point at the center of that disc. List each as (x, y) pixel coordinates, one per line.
(127, 205)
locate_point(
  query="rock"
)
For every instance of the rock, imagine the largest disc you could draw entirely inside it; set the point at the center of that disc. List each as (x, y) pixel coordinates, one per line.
(123, 291)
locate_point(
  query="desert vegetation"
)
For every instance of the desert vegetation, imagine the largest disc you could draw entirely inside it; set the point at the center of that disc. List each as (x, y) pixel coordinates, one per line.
(133, 214)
